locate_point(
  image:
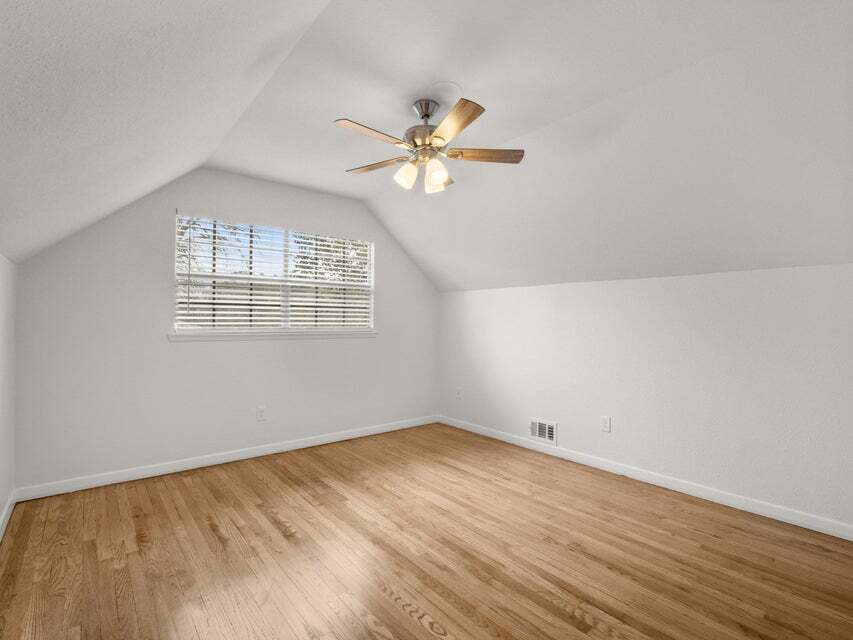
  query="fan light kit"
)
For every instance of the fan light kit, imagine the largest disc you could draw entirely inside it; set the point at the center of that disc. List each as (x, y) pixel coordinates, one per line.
(426, 145)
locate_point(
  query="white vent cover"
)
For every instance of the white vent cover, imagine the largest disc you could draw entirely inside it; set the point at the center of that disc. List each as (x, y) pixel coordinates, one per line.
(543, 430)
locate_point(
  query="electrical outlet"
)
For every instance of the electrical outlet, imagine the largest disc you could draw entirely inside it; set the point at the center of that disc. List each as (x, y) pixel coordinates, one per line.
(261, 413)
(458, 393)
(605, 424)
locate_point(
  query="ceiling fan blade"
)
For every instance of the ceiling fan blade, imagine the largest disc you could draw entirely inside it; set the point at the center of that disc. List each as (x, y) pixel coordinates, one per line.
(378, 165)
(510, 156)
(373, 133)
(461, 115)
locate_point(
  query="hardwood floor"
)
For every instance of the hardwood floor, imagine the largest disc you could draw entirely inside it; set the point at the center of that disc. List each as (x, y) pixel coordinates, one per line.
(424, 533)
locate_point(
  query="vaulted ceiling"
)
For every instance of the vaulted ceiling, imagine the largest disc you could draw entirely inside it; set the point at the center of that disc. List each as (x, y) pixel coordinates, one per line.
(663, 137)
(103, 102)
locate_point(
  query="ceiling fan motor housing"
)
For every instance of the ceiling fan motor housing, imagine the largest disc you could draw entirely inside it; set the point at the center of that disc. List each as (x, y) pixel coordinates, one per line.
(419, 135)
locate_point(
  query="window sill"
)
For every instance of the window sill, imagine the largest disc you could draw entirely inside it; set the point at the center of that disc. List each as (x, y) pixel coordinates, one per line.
(202, 335)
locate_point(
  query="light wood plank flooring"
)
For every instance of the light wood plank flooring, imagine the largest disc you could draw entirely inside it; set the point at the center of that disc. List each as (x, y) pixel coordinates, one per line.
(424, 533)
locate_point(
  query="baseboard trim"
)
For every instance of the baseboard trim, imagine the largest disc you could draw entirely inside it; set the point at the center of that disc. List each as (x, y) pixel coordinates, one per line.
(6, 513)
(135, 473)
(752, 505)
(777, 512)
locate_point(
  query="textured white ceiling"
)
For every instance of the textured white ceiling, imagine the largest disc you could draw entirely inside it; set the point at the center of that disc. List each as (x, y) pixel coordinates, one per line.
(662, 137)
(102, 102)
(528, 63)
(741, 161)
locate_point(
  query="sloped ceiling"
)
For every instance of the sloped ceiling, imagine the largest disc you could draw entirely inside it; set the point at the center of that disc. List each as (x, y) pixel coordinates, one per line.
(663, 137)
(103, 102)
(741, 161)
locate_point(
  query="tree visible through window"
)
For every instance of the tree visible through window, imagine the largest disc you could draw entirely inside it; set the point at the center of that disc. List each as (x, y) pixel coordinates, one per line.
(245, 276)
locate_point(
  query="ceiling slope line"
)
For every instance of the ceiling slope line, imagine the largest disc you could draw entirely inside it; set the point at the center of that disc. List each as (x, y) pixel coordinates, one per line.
(403, 248)
(743, 43)
(97, 213)
(260, 90)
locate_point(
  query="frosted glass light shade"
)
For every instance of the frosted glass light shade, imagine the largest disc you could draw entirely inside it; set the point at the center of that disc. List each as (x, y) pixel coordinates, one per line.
(432, 188)
(436, 188)
(407, 175)
(436, 172)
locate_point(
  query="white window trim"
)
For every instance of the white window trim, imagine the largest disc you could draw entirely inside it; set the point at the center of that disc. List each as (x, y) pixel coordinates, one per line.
(242, 335)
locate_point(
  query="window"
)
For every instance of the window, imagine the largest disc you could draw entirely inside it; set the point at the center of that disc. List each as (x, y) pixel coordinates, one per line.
(248, 278)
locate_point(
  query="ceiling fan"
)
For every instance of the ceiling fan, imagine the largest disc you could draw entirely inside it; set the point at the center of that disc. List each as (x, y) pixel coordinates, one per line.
(426, 144)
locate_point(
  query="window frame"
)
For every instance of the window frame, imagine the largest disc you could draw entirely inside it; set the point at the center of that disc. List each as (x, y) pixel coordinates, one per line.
(193, 334)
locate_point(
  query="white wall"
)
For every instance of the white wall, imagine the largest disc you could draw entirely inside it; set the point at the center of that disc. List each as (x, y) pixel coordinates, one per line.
(100, 387)
(741, 381)
(7, 414)
(738, 382)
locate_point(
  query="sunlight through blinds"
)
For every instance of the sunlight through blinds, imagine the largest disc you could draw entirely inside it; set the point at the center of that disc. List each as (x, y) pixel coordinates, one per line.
(244, 276)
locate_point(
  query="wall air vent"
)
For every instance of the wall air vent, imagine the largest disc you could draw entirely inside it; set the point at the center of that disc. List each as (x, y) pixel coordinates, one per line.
(543, 430)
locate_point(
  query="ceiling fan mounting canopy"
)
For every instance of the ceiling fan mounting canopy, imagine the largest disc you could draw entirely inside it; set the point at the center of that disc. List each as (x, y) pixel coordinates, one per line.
(425, 143)
(425, 108)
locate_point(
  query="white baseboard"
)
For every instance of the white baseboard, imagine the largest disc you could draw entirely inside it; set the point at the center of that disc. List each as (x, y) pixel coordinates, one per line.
(135, 473)
(768, 509)
(777, 512)
(6, 513)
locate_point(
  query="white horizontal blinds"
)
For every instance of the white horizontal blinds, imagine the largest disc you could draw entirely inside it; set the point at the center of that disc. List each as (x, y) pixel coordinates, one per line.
(236, 276)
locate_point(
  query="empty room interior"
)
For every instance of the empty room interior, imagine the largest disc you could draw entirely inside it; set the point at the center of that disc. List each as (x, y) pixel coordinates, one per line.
(393, 320)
